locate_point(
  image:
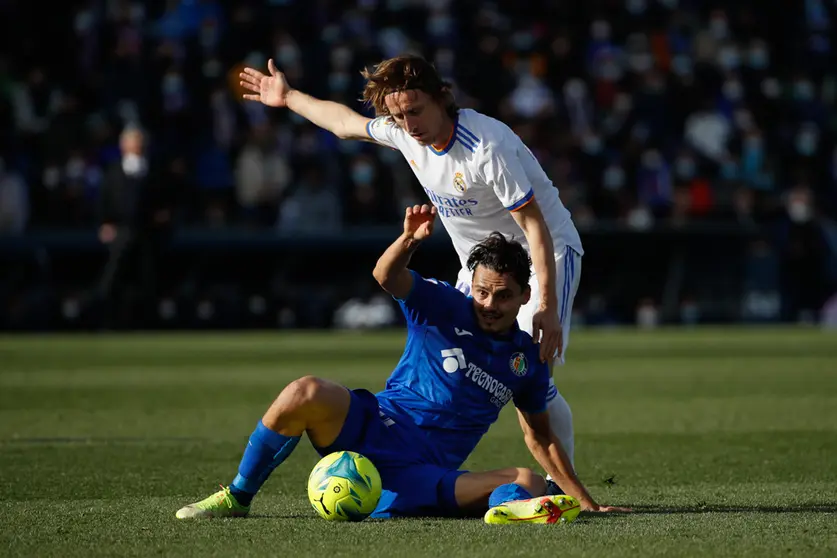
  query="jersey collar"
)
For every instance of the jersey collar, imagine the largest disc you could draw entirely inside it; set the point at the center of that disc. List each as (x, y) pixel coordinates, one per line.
(449, 143)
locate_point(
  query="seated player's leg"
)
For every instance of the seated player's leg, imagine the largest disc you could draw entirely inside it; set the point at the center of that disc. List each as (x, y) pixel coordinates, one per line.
(309, 404)
(474, 490)
(567, 275)
(431, 490)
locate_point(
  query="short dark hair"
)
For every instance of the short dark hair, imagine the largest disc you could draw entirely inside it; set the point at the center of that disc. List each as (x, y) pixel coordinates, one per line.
(403, 73)
(502, 255)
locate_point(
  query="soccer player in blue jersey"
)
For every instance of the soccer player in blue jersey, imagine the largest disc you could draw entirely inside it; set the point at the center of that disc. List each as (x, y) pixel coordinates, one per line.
(465, 358)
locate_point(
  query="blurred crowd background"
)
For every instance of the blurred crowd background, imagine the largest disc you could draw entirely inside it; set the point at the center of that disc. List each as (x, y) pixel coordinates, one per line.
(708, 120)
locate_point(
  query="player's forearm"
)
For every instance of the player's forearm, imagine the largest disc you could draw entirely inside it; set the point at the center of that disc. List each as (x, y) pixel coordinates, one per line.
(328, 115)
(543, 260)
(391, 270)
(552, 457)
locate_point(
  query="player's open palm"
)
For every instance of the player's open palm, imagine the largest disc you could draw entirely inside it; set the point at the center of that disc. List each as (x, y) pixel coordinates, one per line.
(271, 90)
(418, 222)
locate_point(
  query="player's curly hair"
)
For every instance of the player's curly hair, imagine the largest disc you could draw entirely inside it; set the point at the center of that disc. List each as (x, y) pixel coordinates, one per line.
(403, 73)
(502, 255)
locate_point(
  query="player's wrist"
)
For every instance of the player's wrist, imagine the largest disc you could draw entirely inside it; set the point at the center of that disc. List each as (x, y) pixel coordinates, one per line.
(588, 505)
(549, 303)
(291, 99)
(409, 241)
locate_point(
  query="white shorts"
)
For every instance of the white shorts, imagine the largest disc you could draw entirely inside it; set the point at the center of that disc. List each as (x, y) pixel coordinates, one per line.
(567, 275)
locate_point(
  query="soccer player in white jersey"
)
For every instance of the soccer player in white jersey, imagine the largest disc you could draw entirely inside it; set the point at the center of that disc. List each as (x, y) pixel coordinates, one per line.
(479, 175)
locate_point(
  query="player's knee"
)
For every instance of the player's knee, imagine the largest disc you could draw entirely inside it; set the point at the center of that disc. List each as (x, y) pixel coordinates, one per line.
(530, 480)
(302, 393)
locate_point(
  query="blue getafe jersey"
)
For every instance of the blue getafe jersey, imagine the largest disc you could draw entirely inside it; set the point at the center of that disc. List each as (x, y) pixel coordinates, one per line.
(453, 379)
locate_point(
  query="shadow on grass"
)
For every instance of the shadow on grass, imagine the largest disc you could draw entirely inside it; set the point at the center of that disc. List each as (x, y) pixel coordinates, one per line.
(719, 508)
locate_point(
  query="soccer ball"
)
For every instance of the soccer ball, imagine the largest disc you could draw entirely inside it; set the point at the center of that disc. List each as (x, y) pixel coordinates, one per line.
(344, 486)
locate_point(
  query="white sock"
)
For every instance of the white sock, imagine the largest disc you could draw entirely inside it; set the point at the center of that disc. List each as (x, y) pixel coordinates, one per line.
(561, 420)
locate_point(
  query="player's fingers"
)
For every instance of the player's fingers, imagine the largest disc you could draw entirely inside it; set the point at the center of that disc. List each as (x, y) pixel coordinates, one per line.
(249, 86)
(416, 209)
(433, 210)
(252, 73)
(409, 212)
(271, 67)
(252, 97)
(425, 209)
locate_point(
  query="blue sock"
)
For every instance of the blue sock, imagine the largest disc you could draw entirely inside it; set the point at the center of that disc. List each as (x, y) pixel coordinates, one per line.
(506, 493)
(265, 451)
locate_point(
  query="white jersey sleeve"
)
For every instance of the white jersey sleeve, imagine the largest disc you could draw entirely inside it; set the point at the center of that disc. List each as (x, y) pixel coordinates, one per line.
(505, 173)
(383, 130)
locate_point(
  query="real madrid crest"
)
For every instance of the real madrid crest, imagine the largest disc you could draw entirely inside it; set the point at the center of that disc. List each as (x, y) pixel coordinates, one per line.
(459, 183)
(518, 364)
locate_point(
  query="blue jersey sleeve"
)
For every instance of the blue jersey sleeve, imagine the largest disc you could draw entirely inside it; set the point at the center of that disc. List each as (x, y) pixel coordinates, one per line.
(430, 301)
(533, 398)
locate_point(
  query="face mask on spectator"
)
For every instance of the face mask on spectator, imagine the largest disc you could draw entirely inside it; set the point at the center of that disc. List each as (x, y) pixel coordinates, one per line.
(684, 168)
(729, 169)
(623, 103)
(172, 83)
(759, 58)
(729, 58)
(636, 7)
(613, 178)
(439, 25)
(743, 119)
(733, 90)
(770, 88)
(338, 81)
(718, 27)
(575, 89)
(640, 62)
(341, 57)
(754, 142)
(75, 168)
(803, 90)
(287, 55)
(682, 65)
(651, 159)
(806, 142)
(591, 144)
(600, 30)
(363, 173)
(799, 211)
(610, 71)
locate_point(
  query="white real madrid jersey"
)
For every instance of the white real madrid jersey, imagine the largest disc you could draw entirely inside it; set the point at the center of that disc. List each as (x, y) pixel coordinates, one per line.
(483, 173)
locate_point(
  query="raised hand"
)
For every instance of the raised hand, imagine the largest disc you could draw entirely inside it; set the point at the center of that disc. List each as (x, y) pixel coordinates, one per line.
(418, 221)
(272, 90)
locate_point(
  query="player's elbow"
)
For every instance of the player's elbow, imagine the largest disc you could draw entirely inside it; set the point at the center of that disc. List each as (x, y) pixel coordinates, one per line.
(381, 275)
(397, 283)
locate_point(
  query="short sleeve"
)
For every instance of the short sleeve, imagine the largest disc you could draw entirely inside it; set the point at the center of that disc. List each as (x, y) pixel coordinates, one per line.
(382, 130)
(532, 399)
(430, 301)
(506, 174)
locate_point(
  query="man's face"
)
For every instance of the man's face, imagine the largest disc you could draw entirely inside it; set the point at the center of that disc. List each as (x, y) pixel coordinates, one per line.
(497, 299)
(418, 114)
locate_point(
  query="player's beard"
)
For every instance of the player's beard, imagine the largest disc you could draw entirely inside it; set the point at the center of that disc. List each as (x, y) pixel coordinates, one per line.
(490, 319)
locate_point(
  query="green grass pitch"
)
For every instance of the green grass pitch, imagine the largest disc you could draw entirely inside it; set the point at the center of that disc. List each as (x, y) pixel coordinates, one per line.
(725, 440)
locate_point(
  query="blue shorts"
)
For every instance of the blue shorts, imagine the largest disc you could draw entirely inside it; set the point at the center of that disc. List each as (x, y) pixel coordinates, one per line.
(415, 480)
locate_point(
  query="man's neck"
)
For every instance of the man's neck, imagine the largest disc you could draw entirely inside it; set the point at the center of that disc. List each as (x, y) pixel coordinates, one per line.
(444, 136)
